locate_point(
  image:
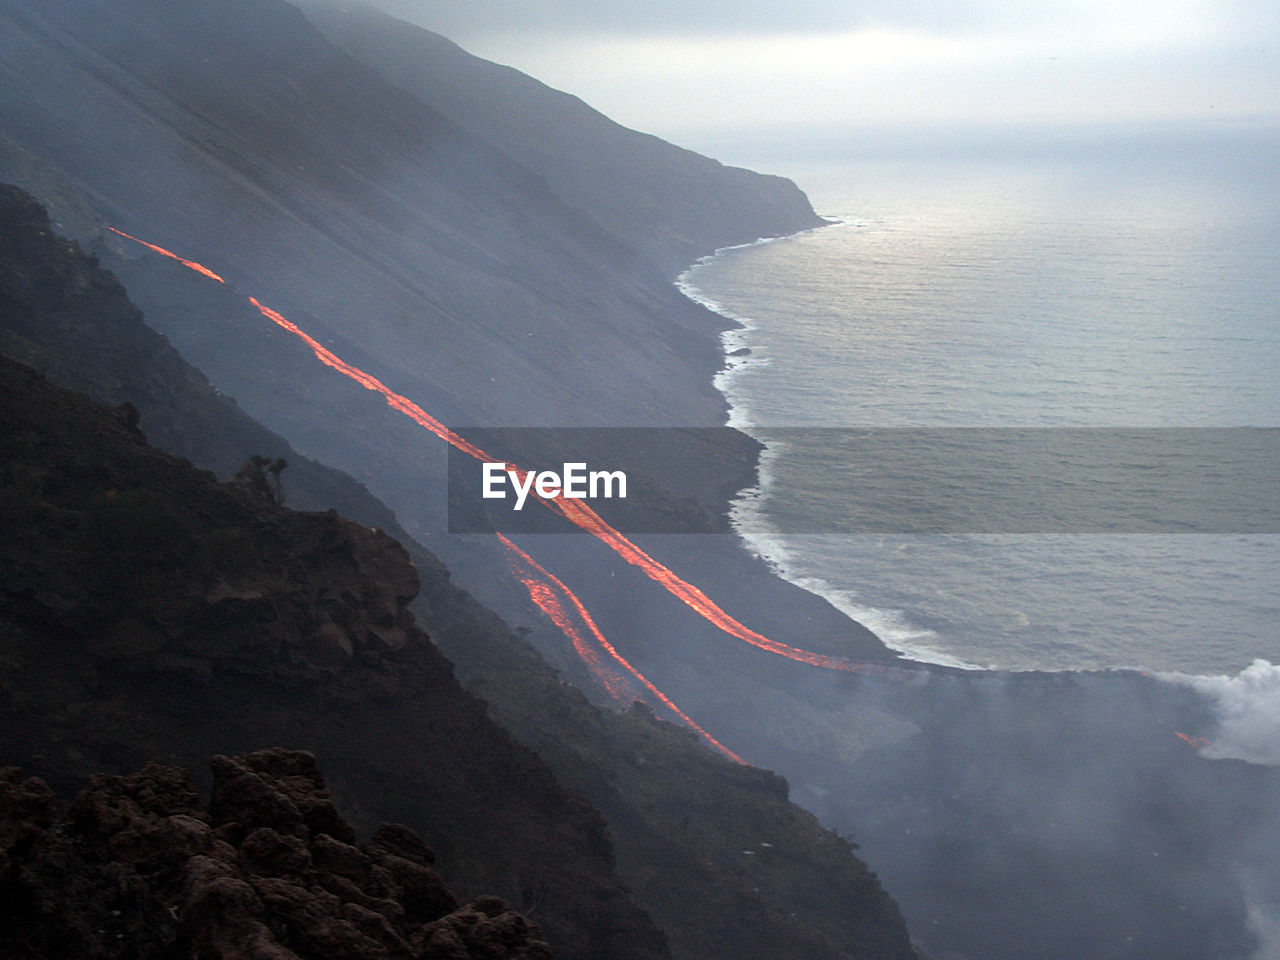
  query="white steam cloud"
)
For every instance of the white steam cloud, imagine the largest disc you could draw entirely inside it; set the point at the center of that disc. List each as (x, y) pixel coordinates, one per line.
(1266, 928)
(1262, 919)
(1248, 709)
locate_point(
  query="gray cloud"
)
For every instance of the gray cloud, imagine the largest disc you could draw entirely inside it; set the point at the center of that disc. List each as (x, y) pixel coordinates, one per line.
(484, 17)
(759, 63)
(477, 18)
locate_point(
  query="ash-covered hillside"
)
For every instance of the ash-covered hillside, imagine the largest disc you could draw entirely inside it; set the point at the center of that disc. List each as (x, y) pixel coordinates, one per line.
(671, 204)
(123, 569)
(239, 134)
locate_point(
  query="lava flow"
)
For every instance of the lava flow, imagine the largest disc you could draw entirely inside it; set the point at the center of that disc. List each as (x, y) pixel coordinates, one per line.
(547, 592)
(541, 592)
(587, 519)
(1196, 742)
(197, 267)
(394, 400)
(574, 511)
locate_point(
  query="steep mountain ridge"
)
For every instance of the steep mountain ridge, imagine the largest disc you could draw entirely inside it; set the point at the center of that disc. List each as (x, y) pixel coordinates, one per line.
(238, 137)
(310, 180)
(672, 204)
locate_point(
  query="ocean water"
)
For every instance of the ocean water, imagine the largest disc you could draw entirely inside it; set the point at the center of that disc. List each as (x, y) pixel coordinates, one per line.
(1124, 281)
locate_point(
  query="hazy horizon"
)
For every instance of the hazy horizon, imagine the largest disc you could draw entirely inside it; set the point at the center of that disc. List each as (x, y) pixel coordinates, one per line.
(761, 74)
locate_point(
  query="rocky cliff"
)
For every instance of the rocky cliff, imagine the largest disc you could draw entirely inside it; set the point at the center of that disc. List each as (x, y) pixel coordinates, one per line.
(148, 610)
(138, 866)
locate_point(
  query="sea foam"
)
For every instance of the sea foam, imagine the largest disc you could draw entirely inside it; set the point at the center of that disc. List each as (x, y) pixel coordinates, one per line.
(749, 517)
(747, 513)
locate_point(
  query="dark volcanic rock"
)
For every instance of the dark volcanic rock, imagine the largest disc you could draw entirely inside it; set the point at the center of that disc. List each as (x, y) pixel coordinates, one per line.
(136, 867)
(146, 609)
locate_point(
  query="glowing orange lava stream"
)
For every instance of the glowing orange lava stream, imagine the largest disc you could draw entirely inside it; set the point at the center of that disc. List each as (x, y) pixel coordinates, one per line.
(547, 593)
(538, 591)
(1196, 742)
(574, 511)
(587, 519)
(197, 267)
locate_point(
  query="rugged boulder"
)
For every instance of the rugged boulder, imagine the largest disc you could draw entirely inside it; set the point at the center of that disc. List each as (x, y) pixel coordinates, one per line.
(137, 866)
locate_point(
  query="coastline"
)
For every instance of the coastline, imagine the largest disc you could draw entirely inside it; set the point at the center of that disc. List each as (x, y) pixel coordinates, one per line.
(907, 608)
(961, 795)
(746, 514)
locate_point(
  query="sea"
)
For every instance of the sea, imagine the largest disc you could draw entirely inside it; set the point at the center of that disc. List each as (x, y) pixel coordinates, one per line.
(1115, 280)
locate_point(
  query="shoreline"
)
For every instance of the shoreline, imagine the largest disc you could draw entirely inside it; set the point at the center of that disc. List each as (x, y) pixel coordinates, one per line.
(906, 635)
(910, 644)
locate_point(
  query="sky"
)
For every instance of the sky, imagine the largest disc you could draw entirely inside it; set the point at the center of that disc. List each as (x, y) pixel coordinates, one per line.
(705, 71)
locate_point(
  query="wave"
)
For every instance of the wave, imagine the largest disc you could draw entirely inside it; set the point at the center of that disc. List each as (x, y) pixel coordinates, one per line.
(739, 353)
(749, 516)
(735, 346)
(750, 522)
(747, 513)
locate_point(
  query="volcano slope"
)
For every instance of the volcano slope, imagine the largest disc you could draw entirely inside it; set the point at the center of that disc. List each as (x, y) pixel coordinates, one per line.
(234, 134)
(678, 815)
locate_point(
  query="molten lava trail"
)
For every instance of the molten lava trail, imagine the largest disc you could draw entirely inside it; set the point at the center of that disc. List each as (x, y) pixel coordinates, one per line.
(587, 519)
(574, 511)
(197, 267)
(394, 400)
(538, 591)
(547, 591)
